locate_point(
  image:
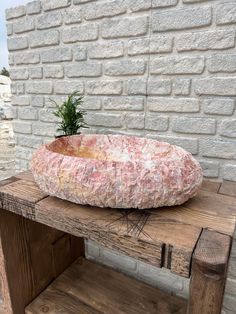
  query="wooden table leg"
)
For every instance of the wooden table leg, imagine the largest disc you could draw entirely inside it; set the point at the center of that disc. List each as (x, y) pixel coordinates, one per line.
(31, 256)
(208, 274)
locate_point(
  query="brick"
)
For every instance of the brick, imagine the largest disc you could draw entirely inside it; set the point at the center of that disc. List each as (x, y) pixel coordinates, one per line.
(10, 59)
(20, 101)
(44, 129)
(53, 71)
(17, 43)
(24, 24)
(27, 141)
(182, 86)
(222, 63)
(33, 7)
(68, 87)
(80, 53)
(156, 122)
(140, 5)
(104, 119)
(80, 33)
(135, 121)
(48, 20)
(163, 3)
(191, 145)
(218, 106)
(218, 148)
(27, 58)
(84, 69)
(44, 38)
(210, 168)
(54, 4)
(226, 13)
(9, 29)
(228, 128)
(37, 101)
(39, 87)
(123, 103)
(110, 49)
(104, 87)
(116, 260)
(230, 287)
(73, 16)
(194, 125)
(92, 103)
(159, 87)
(92, 249)
(229, 172)
(50, 102)
(125, 67)
(210, 40)
(181, 19)
(137, 87)
(56, 55)
(165, 104)
(19, 74)
(22, 127)
(15, 12)
(23, 153)
(27, 113)
(195, 1)
(156, 44)
(17, 88)
(36, 72)
(81, 1)
(221, 86)
(47, 115)
(124, 27)
(177, 65)
(104, 9)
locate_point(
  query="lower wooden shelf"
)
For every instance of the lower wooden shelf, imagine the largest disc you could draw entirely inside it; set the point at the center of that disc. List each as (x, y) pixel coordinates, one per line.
(86, 287)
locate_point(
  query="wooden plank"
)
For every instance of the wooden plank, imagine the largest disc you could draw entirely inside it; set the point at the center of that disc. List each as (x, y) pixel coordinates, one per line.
(26, 263)
(53, 301)
(210, 261)
(20, 197)
(206, 210)
(228, 188)
(106, 291)
(110, 228)
(210, 186)
(26, 175)
(8, 181)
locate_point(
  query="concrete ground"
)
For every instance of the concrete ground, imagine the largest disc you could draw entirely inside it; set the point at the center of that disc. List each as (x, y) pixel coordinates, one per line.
(7, 149)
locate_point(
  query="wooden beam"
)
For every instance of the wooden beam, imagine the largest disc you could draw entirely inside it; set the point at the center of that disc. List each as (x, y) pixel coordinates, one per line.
(209, 267)
(27, 260)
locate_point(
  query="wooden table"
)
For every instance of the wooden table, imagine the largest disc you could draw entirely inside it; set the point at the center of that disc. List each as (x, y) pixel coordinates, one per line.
(47, 233)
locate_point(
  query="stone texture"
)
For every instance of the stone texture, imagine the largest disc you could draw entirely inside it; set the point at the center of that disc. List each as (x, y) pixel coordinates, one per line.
(226, 13)
(181, 19)
(103, 160)
(84, 69)
(108, 50)
(211, 40)
(156, 122)
(163, 104)
(54, 4)
(228, 128)
(222, 86)
(218, 106)
(125, 67)
(124, 27)
(177, 65)
(44, 38)
(222, 63)
(33, 7)
(104, 87)
(25, 24)
(123, 103)
(80, 33)
(56, 55)
(17, 43)
(225, 149)
(159, 86)
(194, 125)
(15, 12)
(104, 9)
(48, 20)
(157, 44)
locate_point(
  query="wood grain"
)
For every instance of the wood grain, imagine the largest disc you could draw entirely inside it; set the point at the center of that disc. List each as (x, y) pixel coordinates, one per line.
(210, 186)
(228, 188)
(209, 268)
(107, 228)
(106, 291)
(20, 197)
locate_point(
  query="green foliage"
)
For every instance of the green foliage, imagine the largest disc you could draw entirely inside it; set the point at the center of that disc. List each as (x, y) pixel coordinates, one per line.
(72, 118)
(4, 72)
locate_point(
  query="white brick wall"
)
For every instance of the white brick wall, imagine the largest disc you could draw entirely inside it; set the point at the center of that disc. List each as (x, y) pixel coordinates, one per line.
(163, 69)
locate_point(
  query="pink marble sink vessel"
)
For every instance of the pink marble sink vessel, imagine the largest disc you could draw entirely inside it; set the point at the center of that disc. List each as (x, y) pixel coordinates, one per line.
(116, 171)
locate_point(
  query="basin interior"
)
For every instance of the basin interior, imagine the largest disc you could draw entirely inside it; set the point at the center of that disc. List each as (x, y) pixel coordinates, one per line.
(110, 147)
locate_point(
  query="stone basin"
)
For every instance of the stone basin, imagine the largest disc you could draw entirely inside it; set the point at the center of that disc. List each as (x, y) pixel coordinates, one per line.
(116, 171)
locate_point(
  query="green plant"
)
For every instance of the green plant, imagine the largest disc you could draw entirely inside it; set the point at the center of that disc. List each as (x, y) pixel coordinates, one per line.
(4, 72)
(72, 117)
